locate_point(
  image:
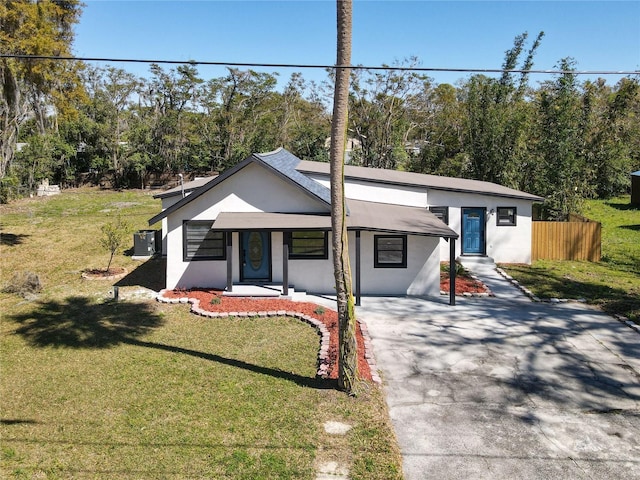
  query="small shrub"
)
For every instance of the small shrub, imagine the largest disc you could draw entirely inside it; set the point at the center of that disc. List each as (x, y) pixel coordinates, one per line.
(460, 270)
(319, 310)
(216, 300)
(23, 284)
(113, 236)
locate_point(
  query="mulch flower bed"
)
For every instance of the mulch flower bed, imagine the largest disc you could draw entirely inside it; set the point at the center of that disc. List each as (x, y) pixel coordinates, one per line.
(100, 274)
(213, 301)
(464, 284)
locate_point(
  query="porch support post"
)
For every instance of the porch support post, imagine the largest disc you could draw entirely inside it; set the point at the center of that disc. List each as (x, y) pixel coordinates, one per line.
(358, 296)
(229, 262)
(285, 263)
(452, 271)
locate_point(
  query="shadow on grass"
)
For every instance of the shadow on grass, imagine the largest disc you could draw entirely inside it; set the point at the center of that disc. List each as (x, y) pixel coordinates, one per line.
(150, 273)
(11, 239)
(547, 284)
(18, 421)
(80, 323)
(272, 372)
(622, 206)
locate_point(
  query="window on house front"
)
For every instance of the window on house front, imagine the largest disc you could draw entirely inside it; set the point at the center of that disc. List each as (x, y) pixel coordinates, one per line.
(308, 244)
(441, 212)
(203, 243)
(390, 251)
(506, 216)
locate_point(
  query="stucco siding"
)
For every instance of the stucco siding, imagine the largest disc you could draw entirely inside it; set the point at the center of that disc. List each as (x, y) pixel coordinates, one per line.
(381, 193)
(505, 244)
(253, 189)
(420, 277)
(256, 188)
(166, 203)
(250, 190)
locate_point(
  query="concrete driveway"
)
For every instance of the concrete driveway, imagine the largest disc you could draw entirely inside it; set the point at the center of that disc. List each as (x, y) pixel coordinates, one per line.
(508, 389)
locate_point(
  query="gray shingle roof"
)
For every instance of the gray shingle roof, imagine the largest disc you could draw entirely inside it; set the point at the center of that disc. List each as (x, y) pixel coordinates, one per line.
(368, 216)
(285, 163)
(395, 177)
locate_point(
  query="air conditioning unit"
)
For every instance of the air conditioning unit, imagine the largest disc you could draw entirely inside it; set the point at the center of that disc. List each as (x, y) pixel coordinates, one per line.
(144, 243)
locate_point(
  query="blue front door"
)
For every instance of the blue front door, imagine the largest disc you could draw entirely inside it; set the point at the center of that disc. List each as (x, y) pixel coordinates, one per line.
(255, 256)
(473, 231)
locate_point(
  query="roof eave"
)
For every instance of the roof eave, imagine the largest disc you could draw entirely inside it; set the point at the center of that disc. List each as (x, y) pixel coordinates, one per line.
(404, 232)
(529, 197)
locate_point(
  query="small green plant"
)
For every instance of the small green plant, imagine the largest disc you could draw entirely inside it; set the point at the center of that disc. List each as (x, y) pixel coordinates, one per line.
(216, 301)
(460, 270)
(319, 310)
(113, 235)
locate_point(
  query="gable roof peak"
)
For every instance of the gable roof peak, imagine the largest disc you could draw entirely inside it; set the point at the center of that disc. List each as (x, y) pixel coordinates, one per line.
(285, 164)
(280, 162)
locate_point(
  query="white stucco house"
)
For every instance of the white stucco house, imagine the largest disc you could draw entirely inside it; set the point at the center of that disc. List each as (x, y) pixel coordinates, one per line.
(267, 221)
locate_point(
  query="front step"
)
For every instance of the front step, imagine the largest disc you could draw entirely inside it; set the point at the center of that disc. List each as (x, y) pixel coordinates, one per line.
(484, 261)
(256, 291)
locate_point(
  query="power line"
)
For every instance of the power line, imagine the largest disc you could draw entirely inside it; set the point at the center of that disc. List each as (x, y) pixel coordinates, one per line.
(319, 66)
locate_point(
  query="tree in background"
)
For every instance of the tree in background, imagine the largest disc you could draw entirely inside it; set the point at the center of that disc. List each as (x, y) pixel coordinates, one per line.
(348, 359)
(171, 98)
(238, 108)
(563, 139)
(35, 86)
(611, 130)
(385, 109)
(497, 119)
(45, 156)
(110, 91)
(561, 123)
(440, 138)
(303, 121)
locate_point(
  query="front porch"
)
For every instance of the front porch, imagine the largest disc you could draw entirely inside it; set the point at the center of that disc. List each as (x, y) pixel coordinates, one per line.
(280, 286)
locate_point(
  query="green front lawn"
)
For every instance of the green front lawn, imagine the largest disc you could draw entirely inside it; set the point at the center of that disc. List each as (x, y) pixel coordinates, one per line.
(91, 388)
(613, 283)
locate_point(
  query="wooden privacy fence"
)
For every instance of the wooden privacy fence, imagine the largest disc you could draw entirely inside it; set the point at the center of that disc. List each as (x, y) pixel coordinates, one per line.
(577, 239)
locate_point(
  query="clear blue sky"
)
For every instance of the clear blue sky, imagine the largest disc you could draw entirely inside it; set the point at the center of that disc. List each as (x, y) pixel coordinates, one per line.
(599, 35)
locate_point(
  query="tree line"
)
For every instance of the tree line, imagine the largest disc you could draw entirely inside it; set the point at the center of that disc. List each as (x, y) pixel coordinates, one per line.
(564, 139)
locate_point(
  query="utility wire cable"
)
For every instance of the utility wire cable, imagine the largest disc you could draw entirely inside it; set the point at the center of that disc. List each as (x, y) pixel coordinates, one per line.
(318, 66)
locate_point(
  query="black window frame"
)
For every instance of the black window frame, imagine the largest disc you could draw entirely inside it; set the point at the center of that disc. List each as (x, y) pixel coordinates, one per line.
(376, 252)
(291, 240)
(222, 239)
(508, 220)
(441, 212)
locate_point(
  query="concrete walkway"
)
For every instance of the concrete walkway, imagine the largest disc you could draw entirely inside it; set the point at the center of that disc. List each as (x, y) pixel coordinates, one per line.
(504, 388)
(485, 269)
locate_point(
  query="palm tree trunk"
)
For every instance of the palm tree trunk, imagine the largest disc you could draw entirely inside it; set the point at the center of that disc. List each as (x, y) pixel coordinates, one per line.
(348, 358)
